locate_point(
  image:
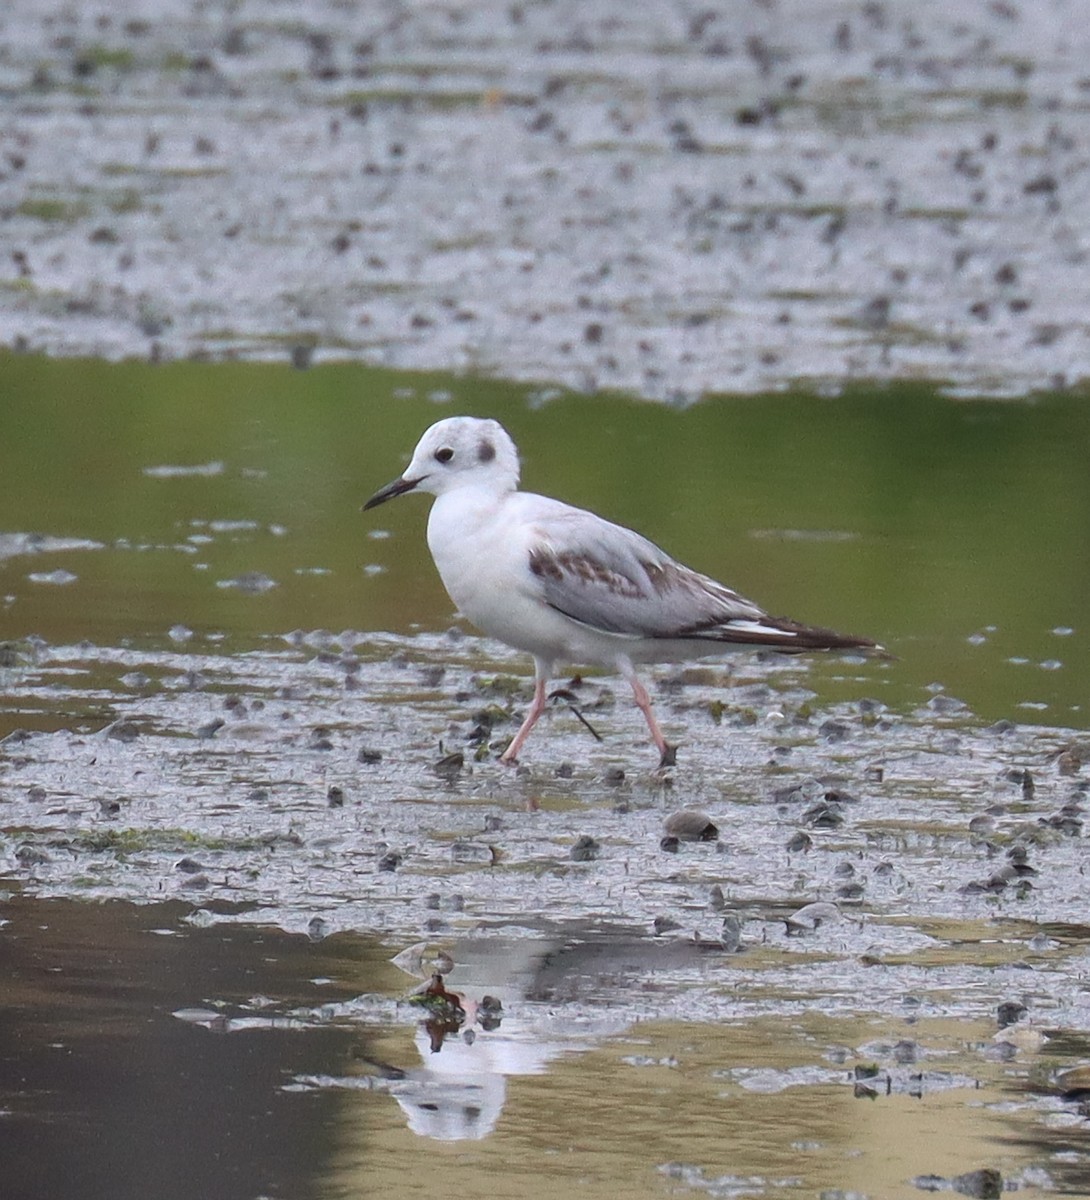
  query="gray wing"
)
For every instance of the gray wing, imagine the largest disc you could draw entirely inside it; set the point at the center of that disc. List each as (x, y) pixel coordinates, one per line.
(612, 579)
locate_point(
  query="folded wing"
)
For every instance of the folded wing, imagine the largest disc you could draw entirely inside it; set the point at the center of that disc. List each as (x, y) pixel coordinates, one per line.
(611, 579)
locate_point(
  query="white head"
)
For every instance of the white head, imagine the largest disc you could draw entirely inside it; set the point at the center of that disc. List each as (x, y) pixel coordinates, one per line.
(458, 452)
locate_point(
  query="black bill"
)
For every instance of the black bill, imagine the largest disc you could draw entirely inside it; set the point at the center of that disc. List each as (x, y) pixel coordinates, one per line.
(398, 488)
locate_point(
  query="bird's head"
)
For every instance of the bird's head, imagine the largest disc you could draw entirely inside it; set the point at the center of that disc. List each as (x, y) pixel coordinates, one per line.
(457, 452)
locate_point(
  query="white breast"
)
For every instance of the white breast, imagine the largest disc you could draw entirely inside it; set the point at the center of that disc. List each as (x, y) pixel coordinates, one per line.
(481, 549)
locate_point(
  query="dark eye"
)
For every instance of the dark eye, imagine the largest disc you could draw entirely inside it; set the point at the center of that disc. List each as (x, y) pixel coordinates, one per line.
(444, 455)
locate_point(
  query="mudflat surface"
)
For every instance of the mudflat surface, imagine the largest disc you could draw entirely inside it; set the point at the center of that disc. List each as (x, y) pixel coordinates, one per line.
(871, 975)
(351, 783)
(871, 958)
(645, 197)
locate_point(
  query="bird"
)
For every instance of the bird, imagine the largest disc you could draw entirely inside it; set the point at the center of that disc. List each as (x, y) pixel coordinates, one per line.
(567, 586)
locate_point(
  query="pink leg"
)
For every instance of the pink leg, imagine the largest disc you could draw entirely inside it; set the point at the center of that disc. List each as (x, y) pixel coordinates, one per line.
(510, 755)
(667, 753)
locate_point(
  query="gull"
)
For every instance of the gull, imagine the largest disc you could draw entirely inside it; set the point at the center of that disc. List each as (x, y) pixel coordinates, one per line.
(566, 585)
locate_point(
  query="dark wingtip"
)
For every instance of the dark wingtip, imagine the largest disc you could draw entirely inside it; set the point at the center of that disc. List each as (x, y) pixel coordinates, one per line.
(816, 637)
(783, 635)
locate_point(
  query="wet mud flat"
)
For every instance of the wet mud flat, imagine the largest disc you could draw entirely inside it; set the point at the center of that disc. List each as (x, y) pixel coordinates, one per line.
(893, 900)
(645, 198)
(360, 789)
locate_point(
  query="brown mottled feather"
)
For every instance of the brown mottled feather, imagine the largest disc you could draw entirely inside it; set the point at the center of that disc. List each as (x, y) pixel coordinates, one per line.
(628, 587)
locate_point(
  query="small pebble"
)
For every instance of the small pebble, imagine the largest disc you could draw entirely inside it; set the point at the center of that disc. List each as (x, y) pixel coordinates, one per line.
(321, 738)
(450, 765)
(905, 1051)
(1069, 761)
(823, 816)
(983, 1184)
(317, 929)
(586, 849)
(463, 851)
(1009, 1012)
(124, 731)
(1074, 1083)
(691, 825)
(811, 917)
(732, 933)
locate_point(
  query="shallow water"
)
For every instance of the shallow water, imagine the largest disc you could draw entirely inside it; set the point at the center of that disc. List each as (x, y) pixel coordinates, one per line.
(226, 500)
(134, 1034)
(285, 788)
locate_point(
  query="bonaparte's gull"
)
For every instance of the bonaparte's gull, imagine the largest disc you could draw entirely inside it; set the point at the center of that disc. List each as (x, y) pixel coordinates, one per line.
(567, 586)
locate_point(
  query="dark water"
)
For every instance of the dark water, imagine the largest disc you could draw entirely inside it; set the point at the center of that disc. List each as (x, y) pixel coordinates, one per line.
(955, 533)
(106, 1094)
(142, 1056)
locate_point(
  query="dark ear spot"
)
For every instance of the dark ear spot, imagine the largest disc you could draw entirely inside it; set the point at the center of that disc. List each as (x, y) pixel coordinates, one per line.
(486, 452)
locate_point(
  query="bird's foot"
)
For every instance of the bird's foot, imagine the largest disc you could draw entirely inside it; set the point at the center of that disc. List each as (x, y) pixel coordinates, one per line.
(669, 755)
(507, 758)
